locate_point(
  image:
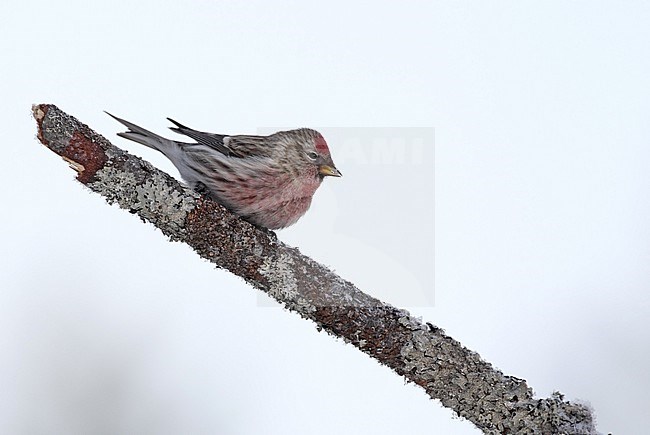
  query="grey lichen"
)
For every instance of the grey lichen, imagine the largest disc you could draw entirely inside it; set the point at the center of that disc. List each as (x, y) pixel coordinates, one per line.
(154, 198)
(56, 127)
(279, 272)
(477, 391)
(283, 284)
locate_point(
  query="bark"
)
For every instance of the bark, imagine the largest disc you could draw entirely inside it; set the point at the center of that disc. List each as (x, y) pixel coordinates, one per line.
(421, 353)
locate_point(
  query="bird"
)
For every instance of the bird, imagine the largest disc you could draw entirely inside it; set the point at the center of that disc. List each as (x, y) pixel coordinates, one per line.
(267, 180)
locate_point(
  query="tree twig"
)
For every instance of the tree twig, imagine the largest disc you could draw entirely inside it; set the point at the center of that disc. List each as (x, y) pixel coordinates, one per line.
(423, 354)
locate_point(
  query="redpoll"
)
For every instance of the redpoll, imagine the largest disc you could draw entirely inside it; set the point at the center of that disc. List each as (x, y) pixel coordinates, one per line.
(267, 180)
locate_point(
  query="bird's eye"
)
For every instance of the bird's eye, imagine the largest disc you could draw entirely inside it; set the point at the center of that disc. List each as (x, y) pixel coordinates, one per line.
(312, 155)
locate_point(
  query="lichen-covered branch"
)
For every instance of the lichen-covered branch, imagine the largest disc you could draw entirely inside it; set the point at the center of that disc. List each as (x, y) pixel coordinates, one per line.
(423, 354)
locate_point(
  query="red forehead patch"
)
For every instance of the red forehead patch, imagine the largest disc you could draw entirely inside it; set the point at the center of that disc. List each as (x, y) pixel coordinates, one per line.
(321, 145)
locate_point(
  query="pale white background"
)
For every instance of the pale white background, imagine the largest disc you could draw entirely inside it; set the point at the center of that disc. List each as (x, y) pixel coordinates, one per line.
(542, 209)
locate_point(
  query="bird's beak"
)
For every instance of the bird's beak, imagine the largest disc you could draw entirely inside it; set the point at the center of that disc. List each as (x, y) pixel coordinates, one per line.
(329, 170)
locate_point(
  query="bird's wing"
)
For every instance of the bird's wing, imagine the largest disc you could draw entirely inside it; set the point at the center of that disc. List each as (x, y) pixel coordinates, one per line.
(248, 146)
(212, 140)
(231, 146)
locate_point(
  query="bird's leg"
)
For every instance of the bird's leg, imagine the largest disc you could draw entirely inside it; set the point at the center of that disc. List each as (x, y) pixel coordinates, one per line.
(201, 188)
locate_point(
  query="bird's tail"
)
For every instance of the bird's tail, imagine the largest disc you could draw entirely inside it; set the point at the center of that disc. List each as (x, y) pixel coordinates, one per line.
(145, 137)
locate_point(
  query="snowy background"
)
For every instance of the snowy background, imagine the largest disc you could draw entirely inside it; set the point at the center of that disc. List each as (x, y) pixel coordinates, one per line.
(542, 210)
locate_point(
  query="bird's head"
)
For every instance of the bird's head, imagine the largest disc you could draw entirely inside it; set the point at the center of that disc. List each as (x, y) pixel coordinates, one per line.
(316, 153)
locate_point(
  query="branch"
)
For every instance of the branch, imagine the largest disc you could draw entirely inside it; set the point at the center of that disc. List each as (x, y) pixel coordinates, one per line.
(423, 354)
